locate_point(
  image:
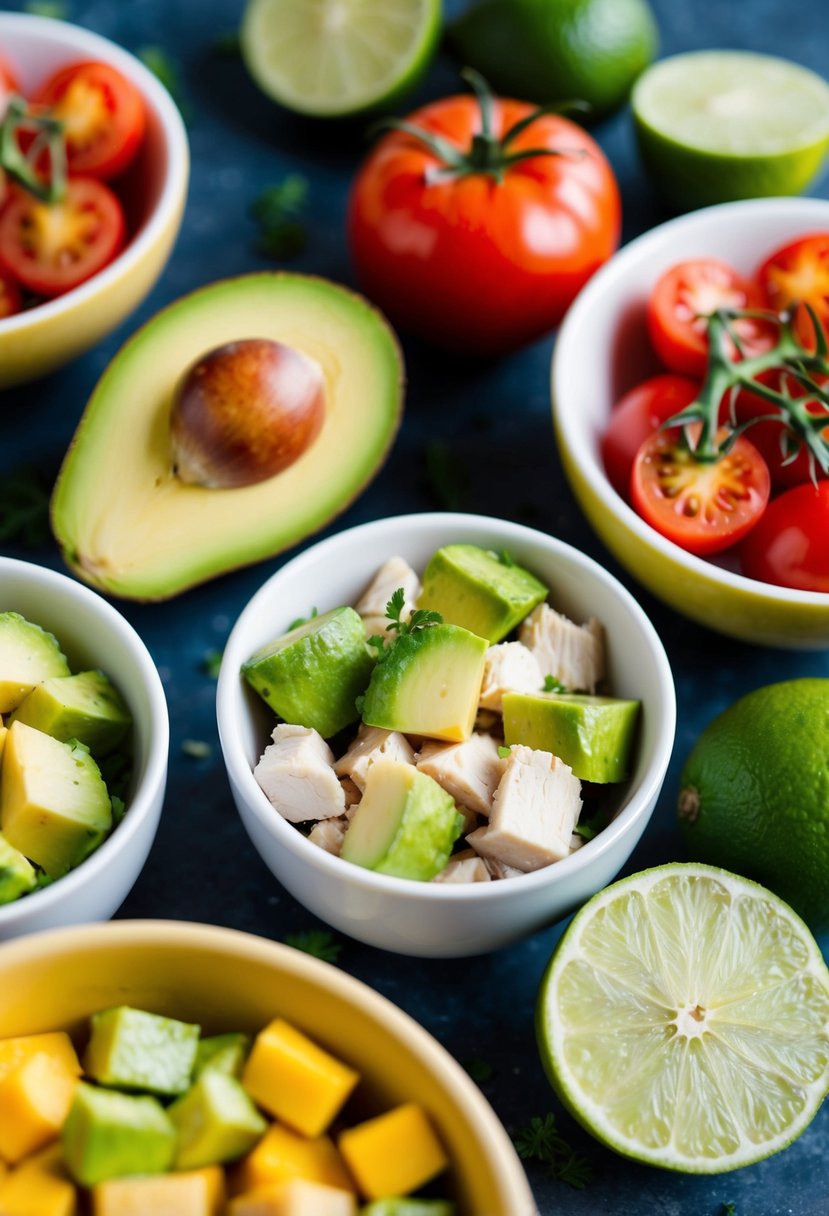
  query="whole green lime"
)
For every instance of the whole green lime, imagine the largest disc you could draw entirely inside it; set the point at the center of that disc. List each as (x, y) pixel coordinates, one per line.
(755, 793)
(558, 50)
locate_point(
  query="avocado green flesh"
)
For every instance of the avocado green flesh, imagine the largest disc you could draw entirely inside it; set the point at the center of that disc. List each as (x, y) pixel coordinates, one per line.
(133, 1049)
(470, 586)
(85, 706)
(28, 655)
(127, 524)
(215, 1122)
(594, 735)
(108, 1135)
(409, 1207)
(223, 1052)
(313, 675)
(17, 875)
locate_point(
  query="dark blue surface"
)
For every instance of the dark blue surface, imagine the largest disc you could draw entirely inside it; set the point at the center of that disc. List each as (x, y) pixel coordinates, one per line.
(496, 420)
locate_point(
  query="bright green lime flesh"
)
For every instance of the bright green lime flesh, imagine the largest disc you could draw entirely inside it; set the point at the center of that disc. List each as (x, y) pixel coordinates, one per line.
(720, 125)
(684, 1020)
(330, 58)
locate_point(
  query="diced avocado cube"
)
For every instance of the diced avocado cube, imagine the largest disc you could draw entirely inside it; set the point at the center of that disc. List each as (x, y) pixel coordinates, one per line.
(428, 683)
(225, 1052)
(215, 1122)
(409, 1207)
(86, 706)
(133, 1049)
(110, 1135)
(483, 591)
(313, 675)
(28, 655)
(405, 823)
(594, 735)
(17, 875)
(54, 805)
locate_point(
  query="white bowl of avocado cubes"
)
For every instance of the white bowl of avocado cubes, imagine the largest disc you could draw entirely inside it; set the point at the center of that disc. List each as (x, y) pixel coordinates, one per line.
(444, 731)
(84, 740)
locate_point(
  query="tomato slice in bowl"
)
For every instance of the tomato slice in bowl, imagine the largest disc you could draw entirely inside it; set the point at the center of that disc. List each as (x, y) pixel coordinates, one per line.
(52, 247)
(790, 545)
(702, 507)
(10, 299)
(798, 273)
(636, 415)
(683, 299)
(102, 114)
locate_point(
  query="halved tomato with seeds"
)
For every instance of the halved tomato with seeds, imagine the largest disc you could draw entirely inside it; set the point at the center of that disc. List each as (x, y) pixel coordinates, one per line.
(102, 115)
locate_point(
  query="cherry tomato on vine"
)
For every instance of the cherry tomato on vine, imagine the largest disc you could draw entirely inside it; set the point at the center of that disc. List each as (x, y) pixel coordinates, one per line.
(703, 507)
(102, 114)
(636, 415)
(10, 301)
(8, 84)
(682, 300)
(52, 247)
(464, 236)
(790, 545)
(770, 438)
(799, 272)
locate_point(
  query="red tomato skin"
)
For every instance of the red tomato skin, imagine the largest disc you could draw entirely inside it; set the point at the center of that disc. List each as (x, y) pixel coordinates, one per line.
(789, 547)
(470, 263)
(10, 299)
(635, 416)
(700, 286)
(89, 207)
(112, 147)
(766, 437)
(799, 271)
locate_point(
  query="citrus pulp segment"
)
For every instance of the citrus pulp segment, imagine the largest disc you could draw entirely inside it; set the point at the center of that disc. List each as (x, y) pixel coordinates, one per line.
(684, 1019)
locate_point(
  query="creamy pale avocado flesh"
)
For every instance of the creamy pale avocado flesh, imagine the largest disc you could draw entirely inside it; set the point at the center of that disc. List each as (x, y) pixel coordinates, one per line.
(86, 706)
(594, 735)
(486, 594)
(127, 524)
(215, 1122)
(133, 1049)
(109, 1134)
(28, 654)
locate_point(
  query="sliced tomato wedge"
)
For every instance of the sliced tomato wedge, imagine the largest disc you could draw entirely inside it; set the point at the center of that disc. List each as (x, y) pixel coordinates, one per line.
(10, 299)
(790, 545)
(704, 508)
(637, 415)
(799, 273)
(775, 442)
(52, 247)
(683, 299)
(102, 114)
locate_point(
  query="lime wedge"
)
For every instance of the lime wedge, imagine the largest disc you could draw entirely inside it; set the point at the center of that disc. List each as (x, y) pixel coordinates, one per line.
(720, 125)
(331, 58)
(684, 1020)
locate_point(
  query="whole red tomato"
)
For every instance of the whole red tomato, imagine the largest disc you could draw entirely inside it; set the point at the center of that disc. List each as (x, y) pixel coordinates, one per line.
(465, 236)
(790, 545)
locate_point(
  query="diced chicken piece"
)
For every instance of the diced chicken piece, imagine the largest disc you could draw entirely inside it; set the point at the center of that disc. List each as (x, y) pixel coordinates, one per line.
(464, 867)
(576, 842)
(469, 771)
(573, 654)
(534, 811)
(497, 869)
(329, 833)
(508, 667)
(372, 743)
(352, 793)
(297, 774)
(489, 722)
(394, 573)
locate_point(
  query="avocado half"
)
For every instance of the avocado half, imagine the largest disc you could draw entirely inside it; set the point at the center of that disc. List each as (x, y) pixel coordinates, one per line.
(129, 526)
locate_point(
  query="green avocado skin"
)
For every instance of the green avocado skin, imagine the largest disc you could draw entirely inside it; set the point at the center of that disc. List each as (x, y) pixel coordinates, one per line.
(594, 735)
(312, 675)
(479, 591)
(109, 1134)
(17, 875)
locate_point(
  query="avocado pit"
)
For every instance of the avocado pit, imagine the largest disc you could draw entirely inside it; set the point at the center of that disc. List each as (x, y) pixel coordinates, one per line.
(244, 412)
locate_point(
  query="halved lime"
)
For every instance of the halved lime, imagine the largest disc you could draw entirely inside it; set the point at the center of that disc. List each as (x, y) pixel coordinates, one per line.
(720, 125)
(331, 58)
(684, 1019)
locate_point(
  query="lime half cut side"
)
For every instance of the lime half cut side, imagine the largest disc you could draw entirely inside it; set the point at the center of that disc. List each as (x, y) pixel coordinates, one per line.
(684, 1020)
(720, 125)
(332, 58)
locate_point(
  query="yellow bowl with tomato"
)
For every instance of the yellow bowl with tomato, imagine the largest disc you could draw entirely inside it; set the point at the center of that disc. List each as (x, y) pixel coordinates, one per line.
(152, 190)
(603, 350)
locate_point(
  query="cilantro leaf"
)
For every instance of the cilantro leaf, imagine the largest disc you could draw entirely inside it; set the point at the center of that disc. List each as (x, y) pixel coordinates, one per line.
(211, 662)
(504, 752)
(728, 1209)
(317, 942)
(377, 643)
(118, 808)
(420, 618)
(278, 212)
(24, 509)
(302, 620)
(394, 607)
(540, 1140)
(551, 684)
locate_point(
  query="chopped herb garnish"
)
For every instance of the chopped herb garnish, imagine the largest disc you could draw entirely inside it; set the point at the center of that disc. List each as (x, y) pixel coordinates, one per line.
(302, 620)
(480, 1071)
(318, 942)
(24, 509)
(278, 212)
(551, 684)
(591, 826)
(165, 69)
(116, 770)
(211, 662)
(419, 619)
(541, 1141)
(447, 479)
(47, 8)
(42, 879)
(118, 808)
(506, 558)
(728, 1209)
(503, 752)
(196, 748)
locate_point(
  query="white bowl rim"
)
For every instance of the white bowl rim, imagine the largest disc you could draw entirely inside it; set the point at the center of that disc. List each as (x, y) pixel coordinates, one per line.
(230, 681)
(85, 42)
(815, 211)
(121, 837)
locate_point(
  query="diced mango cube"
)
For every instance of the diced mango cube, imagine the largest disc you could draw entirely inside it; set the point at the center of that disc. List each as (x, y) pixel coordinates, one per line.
(394, 1153)
(57, 1044)
(39, 1186)
(297, 1198)
(282, 1155)
(34, 1101)
(295, 1080)
(195, 1193)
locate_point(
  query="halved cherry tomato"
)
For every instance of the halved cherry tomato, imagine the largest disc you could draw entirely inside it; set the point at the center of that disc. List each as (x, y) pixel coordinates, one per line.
(8, 84)
(774, 440)
(102, 114)
(701, 507)
(799, 272)
(682, 300)
(10, 301)
(790, 545)
(636, 416)
(52, 247)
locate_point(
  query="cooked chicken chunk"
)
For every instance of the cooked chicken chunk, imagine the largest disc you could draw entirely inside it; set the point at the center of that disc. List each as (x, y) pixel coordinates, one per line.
(372, 743)
(329, 833)
(297, 774)
(534, 811)
(394, 573)
(508, 667)
(469, 771)
(573, 654)
(464, 867)
(498, 870)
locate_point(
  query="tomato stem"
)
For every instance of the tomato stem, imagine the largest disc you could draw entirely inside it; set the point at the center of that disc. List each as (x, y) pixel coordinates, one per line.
(47, 137)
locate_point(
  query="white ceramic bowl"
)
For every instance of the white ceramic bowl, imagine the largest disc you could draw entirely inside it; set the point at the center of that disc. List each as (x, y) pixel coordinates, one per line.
(41, 339)
(602, 350)
(93, 634)
(431, 919)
